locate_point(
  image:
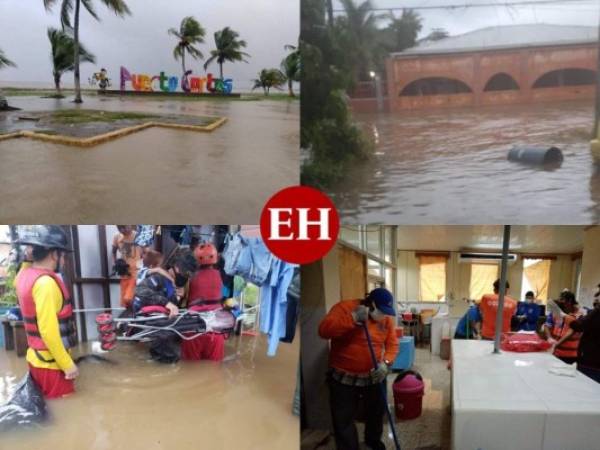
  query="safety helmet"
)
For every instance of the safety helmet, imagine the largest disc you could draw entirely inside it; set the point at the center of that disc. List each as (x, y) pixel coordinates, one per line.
(46, 236)
(206, 254)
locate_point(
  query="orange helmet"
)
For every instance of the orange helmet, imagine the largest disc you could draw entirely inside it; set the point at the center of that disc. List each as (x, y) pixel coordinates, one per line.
(206, 254)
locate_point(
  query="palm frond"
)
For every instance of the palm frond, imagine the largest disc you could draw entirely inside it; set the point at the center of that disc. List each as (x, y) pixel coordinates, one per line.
(119, 7)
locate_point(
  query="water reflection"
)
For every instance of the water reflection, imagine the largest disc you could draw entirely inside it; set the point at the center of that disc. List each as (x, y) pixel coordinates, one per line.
(451, 167)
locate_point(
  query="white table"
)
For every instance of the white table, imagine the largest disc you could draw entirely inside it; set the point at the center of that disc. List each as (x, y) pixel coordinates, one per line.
(511, 401)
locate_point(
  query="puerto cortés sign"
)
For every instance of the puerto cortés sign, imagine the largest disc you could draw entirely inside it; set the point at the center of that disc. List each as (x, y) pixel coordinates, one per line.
(163, 83)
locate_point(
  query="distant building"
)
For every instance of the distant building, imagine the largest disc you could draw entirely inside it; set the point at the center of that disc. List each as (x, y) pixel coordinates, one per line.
(495, 65)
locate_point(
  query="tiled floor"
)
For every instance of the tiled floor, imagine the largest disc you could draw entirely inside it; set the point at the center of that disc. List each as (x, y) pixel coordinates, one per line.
(431, 431)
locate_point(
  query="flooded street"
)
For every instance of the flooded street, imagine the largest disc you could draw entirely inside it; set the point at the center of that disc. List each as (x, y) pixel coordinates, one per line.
(244, 402)
(451, 167)
(225, 176)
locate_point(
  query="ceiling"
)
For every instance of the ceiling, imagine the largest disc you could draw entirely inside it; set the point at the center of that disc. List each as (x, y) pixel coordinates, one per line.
(524, 238)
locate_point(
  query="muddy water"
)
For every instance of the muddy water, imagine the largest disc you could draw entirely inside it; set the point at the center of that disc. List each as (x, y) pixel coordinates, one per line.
(242, 403)
(225, 176)
(451, 167)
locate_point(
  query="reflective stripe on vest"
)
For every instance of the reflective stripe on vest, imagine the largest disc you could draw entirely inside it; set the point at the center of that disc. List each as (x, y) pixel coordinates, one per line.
(24, 283)
(568, 349)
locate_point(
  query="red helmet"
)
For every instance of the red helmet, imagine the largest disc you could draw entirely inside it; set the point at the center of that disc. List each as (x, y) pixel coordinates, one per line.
(206, 254)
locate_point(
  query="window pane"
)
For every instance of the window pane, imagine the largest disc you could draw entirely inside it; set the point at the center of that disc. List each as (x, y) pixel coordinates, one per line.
(389, 280)
(374, 268)
(388, 246)
(432, 278)
(536, 278)
(351, 235)
(482, 280)
(373, 240)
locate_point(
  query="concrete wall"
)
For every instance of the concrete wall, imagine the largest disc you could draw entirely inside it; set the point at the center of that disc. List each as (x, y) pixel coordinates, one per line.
(590, 268)
(475, 69)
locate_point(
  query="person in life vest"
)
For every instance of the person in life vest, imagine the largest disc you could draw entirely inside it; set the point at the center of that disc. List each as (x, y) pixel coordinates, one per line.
(588, 353)
(47, 311)
(205, 294)
(489, 308)
(564, 339)
(125, 256)
(351, 375)
(528, 313)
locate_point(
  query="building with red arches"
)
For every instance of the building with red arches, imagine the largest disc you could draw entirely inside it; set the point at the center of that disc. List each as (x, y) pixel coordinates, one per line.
(491, 66)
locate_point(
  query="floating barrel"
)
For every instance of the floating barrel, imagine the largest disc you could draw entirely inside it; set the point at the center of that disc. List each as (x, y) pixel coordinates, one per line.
(536, 155)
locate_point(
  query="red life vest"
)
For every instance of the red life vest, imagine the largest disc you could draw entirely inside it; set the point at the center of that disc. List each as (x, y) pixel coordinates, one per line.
(206, 287)
(567, 349)
(24, 287)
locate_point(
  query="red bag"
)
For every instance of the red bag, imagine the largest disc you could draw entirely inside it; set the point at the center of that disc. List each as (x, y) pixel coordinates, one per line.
(521, 342)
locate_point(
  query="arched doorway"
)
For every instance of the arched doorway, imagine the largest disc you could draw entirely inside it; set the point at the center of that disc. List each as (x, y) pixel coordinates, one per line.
(435, 86)
(566, 77)
(501, 82)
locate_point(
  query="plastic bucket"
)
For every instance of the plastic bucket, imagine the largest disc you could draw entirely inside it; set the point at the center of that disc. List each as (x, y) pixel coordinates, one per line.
(408, 389)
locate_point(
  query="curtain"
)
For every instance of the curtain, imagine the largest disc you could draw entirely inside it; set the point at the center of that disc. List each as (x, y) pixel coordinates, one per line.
(482, 280)
(432, 278)
(537, 275)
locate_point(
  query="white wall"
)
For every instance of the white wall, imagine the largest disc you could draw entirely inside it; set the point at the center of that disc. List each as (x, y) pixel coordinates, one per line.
(590, 266)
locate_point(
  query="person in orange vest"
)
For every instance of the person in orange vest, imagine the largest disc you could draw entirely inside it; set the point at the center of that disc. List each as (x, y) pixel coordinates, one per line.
(47, 311)
(126, 263)
(489, 308)
(564, 339)
(351, 374)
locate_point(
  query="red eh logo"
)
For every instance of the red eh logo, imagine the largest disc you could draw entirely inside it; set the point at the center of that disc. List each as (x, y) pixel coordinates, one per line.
(299, 224)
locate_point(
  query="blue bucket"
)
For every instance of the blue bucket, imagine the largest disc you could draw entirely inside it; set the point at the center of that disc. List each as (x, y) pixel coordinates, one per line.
(3, 310)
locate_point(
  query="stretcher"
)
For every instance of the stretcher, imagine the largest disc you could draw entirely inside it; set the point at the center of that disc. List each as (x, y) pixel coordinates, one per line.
(153, 322)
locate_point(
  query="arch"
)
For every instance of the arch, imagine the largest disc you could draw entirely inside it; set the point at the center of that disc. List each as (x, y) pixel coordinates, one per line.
(566, 77)
(435, 86)
(501, 82)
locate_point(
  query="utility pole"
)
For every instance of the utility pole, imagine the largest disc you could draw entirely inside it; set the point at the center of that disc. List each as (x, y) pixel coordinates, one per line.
(502, 293)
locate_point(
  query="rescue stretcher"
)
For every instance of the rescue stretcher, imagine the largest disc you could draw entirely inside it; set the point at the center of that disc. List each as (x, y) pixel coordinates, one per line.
(153, 322)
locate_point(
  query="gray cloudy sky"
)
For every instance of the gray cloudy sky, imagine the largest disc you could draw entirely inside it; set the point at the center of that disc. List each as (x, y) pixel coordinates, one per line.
(461, 20)
(140, 42)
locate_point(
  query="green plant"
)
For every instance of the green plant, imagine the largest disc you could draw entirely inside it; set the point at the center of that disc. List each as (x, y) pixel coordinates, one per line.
(9, 297)
(189, 34)
(269, 78)
(229, 48)
(63, 54)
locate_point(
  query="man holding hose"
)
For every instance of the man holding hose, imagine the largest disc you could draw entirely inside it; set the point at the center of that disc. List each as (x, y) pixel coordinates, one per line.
(47, 312)
(351, 375)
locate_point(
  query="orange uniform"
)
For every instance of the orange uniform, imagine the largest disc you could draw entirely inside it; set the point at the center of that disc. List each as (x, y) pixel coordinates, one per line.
(349, 349)
(568, 349)
(489, 308)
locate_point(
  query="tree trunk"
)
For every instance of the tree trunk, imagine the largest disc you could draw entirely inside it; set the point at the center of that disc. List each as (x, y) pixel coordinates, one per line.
(57, 83)
(291, 87)
(221, 70)
(76, 68)
(183, 61)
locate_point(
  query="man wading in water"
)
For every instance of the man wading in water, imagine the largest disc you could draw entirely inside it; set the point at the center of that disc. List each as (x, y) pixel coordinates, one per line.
(47, 312)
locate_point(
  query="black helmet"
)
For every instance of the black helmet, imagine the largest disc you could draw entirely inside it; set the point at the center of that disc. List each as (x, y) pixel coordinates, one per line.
(186, 263)
(47, 236)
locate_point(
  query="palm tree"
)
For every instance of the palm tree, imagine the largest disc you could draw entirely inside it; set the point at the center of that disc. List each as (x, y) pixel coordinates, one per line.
(63, 54)
(228, 49)
(190, 34)
(5, 62)
(119, 7)
(290, 66)
(269, 78)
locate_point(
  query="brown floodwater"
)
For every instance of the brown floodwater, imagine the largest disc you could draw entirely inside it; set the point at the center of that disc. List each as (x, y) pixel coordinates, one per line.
(451, 166)
(223, 177)
(244, 402)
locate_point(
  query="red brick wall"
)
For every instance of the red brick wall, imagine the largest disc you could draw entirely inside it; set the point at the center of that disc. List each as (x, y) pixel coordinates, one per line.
(475, 69)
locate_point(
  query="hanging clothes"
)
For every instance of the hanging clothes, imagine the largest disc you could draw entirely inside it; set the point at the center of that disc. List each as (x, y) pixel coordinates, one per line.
(144, 236)
(293, 308)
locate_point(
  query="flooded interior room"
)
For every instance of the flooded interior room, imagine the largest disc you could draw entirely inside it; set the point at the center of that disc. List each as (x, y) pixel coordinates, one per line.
(180, 336)
(456, 367)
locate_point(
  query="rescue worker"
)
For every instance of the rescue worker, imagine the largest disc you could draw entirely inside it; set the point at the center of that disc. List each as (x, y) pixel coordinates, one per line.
(47, 311)
(205, 294)
(125, 256)
(588, 353)
(489, 308)
(564, 339)
(469, 325)
(528, 313)
(351, 374)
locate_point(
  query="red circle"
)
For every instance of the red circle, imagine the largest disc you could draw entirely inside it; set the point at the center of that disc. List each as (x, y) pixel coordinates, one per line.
(287, 241)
